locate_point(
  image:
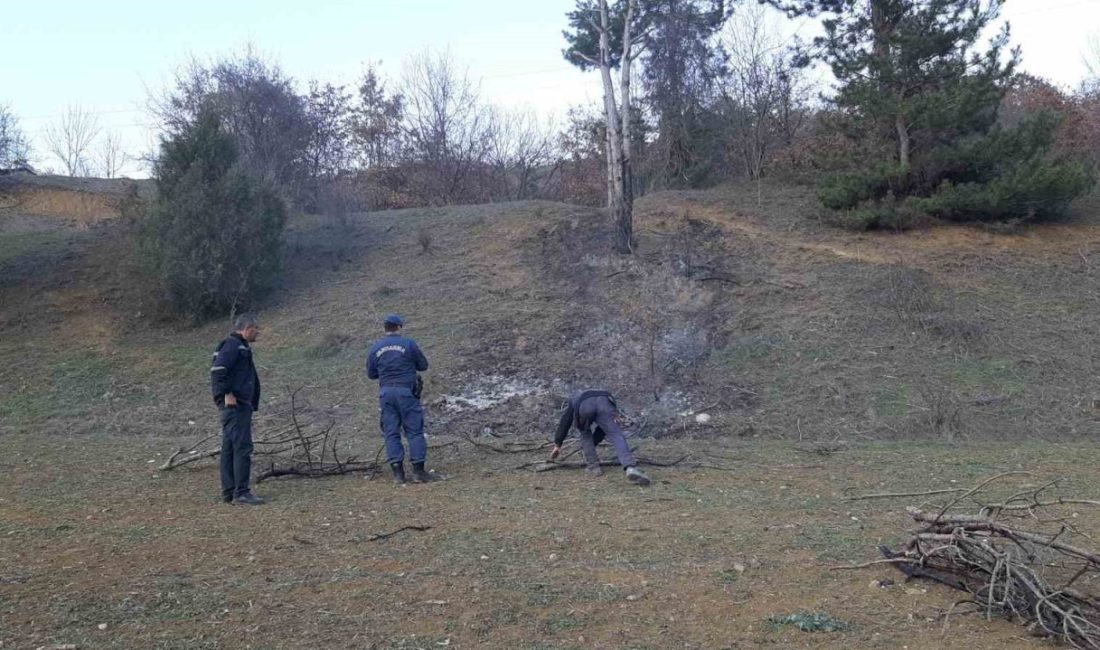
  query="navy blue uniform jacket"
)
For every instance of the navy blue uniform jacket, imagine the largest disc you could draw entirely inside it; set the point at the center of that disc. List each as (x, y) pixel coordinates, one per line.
(234, 371)
(394, 361)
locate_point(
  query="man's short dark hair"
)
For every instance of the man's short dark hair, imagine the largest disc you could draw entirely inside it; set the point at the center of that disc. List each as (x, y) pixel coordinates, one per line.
(391, 327)
(243, 321)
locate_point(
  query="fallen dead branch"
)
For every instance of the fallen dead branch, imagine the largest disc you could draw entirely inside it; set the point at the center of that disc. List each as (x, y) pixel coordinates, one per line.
(547, 465)
(375, 538)
(296, 440)
(509, 446)
(317, 471)
(1020, 557)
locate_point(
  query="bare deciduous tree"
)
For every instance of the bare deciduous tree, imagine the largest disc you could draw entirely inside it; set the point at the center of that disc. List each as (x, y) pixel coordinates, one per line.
(448, 130)
(763, 93)
(110, 156)
(14, 145)
(257, 104)
(70, 139)
(328, 108)
(522, 144)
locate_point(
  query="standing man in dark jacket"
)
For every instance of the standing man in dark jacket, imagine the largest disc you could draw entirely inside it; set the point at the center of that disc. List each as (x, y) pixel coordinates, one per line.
(394, 361)
(596, 416)
(236, 388)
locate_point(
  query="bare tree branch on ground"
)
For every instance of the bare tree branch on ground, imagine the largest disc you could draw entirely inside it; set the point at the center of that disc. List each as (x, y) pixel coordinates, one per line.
(1022, 556)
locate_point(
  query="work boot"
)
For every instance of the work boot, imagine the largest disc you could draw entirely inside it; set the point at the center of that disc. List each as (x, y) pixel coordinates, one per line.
(398, 473)
(421, 475)
(248, 499)
(636, 476)
(593, 470)
(227, 498)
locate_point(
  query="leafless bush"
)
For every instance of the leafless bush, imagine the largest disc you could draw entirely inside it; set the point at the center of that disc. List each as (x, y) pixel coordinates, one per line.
(424, 238)
(911, 295)
(329, 345)
(904, 290)
(941, 411)
(522, 145)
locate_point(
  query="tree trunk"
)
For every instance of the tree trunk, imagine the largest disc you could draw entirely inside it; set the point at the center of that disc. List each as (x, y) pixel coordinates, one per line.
(607, 153)
(618, 204)
(903, 141)
(624, 219)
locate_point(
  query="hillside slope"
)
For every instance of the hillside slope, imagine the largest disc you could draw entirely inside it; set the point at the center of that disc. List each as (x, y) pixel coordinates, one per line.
(746, 309)
(965, 347)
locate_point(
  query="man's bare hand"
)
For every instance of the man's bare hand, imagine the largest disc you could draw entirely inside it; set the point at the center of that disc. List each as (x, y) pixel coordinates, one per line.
(231, 400)
(555, 452)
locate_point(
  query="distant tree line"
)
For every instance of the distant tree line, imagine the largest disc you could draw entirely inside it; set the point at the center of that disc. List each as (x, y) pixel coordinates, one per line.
(924, 121)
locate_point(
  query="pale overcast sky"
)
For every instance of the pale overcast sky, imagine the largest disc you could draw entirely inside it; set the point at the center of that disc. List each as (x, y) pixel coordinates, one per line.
(105, 54)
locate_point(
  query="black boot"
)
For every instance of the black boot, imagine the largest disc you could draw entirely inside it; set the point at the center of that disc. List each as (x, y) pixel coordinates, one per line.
(398, 473)
(421, 475)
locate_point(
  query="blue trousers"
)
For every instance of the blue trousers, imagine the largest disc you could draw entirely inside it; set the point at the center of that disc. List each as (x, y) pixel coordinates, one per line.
(236, 456)
(401, 411)
(604, 419)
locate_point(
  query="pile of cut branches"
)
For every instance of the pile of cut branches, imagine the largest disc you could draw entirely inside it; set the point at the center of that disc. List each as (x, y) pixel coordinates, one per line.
(1020, 556)
(295, 440)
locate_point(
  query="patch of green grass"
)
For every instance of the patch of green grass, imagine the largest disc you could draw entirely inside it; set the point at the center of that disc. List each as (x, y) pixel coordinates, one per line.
(560, 624)
(833, 543)
(191, 362)
(891, 401)
(17, 246)
(999, 376)
(301, 364)
(745, 351)
(70, 386)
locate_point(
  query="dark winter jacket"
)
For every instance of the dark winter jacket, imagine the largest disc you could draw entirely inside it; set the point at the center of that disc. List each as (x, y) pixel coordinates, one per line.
(234, 371)
(572, 415)
(394, 361)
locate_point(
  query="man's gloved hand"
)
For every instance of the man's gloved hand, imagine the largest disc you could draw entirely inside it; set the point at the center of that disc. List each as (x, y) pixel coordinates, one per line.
(554, 453)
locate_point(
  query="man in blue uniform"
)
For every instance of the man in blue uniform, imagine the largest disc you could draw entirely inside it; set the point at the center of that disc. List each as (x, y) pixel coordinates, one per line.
(596, 416)
(236, 388)
(394, 361)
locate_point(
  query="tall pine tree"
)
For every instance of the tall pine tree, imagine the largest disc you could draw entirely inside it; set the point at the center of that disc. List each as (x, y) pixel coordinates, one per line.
(212, 240)
(912, 73)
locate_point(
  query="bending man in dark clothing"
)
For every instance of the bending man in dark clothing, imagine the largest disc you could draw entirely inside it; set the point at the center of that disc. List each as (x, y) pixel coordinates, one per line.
(236, 388)
(596, 417)
(394, 361)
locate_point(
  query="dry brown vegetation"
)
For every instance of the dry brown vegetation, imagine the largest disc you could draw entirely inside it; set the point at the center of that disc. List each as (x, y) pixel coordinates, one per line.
(829, 364)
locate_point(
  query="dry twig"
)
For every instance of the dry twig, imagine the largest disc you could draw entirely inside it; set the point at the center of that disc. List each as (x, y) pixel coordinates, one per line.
(1026, 574)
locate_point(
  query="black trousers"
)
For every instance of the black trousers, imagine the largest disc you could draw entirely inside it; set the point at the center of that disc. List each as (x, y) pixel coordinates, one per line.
(236, 456)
